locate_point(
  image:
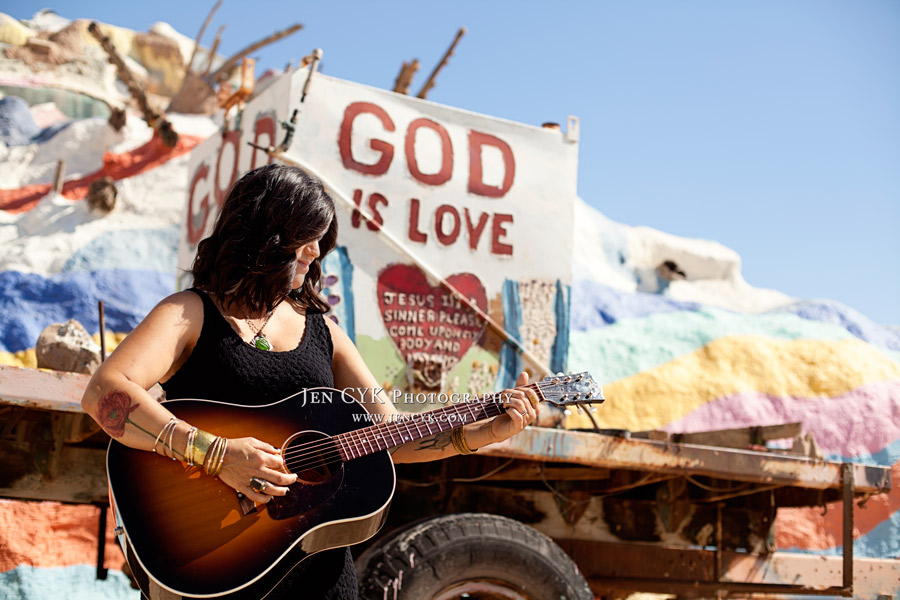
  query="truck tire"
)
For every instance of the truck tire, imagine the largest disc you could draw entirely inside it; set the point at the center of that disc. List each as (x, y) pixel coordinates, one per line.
(477, 556)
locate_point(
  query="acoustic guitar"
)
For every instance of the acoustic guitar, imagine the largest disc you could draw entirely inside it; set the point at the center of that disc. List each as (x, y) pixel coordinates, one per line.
(194, 536)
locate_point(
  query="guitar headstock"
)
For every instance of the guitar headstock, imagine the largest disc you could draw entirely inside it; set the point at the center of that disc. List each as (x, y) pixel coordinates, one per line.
(574, 389)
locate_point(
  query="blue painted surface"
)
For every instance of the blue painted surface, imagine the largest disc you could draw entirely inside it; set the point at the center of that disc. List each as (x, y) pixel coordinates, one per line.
(147, 250)
(559, 353)
(885, 457)
(828, 311)
(595, 305)
(17, 126)
(338, 263)
(510, 362)
(77, 582)
(30, 302)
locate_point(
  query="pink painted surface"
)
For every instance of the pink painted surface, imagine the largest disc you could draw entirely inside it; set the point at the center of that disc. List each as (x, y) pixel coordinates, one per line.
(842, 425)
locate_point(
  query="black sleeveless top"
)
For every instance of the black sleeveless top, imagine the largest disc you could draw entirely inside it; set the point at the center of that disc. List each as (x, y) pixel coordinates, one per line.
(225, 368)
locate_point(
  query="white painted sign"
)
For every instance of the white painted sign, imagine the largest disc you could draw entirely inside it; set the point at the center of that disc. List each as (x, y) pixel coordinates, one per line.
(486, 204)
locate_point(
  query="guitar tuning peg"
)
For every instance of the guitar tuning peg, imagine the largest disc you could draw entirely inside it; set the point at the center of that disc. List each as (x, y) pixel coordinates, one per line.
(567, 412)
(593, 408)
(560, 374)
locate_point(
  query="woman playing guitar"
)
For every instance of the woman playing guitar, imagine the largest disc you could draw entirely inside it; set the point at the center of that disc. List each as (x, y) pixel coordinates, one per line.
(252, 332)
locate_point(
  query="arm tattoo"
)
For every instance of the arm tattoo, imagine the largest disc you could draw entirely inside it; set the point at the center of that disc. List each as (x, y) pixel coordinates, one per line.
(112, 413)
(438, 441)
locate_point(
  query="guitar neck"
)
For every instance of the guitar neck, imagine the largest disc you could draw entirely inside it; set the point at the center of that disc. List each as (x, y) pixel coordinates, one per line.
(408, 427)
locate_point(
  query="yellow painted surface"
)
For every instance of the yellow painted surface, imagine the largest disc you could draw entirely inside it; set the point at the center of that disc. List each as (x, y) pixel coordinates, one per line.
(28, 358)
(113, 339)
(12, 32)
(730, 365)
(166, 68)
(22, 358)
(121, 38)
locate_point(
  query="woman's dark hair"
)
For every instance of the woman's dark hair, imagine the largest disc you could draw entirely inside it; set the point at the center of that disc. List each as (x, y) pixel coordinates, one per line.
(250, 257)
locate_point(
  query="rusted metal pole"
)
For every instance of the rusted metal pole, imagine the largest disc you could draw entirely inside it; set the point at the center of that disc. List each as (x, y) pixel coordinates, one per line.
(60, 176)
(102, 332)
(222, 72)
(212, 51)
(847, 483)
(717, 573)
(101, 543)
(154, 119)
(124, 74)
(203, 27)
(315, 57)
(430, 82)
(404, 78)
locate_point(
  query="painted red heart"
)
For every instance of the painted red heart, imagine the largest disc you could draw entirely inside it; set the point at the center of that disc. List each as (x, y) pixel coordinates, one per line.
(427, 323)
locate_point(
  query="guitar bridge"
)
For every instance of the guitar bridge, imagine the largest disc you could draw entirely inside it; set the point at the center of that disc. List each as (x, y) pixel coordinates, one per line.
(248, 506)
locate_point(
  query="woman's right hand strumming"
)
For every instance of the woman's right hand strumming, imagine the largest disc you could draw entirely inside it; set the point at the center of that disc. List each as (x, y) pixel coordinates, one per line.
(248, 459)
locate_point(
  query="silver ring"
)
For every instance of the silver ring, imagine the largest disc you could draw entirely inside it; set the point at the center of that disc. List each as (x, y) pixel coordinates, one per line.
(258, 485)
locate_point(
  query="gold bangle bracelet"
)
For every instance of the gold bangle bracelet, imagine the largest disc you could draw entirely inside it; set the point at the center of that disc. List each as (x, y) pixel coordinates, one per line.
(201, 443)
(212, 455)
(215, 458)
(458, 438)
(221, 459)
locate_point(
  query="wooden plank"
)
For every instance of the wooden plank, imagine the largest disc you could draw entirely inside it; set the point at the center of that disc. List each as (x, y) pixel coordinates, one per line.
(46, 390)
(741, 437)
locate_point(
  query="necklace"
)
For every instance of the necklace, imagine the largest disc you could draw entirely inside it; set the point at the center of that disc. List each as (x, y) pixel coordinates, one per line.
(259, 340)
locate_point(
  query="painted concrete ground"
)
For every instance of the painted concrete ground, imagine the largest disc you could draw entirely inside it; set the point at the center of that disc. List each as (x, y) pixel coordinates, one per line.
(705, 351)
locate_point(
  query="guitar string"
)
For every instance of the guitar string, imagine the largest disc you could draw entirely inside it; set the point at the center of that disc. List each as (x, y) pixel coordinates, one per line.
(485, 400)
(334, 456)
(322, 455)
(370, 434)
(331, 445)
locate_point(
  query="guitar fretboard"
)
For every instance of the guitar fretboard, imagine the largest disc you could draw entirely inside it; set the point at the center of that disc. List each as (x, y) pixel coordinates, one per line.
(408, 427)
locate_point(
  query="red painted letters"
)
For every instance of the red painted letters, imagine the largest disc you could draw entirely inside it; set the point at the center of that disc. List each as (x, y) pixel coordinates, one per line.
(477, 141)
(386, 150)
(194, 233)
(442, 176)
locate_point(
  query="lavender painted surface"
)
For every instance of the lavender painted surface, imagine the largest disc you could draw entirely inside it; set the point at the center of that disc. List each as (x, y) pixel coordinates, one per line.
(842, 425)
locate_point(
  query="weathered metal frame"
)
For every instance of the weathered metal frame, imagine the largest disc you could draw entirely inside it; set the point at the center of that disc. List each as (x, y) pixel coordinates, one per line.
(33, 390)
(612, 452)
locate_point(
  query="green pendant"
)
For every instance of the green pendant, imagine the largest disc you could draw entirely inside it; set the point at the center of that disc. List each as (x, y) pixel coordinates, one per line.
(261, 343)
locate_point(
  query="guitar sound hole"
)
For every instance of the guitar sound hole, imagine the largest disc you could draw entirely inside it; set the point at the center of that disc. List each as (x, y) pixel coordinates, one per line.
(313, 456)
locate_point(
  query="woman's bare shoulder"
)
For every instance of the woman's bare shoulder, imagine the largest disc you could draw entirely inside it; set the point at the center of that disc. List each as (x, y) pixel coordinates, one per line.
(180, 308)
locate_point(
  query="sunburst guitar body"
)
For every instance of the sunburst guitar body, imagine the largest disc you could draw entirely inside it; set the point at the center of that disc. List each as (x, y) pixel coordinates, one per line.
(194, 536)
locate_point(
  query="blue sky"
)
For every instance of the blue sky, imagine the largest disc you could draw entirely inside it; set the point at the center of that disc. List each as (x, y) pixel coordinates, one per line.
(772, 127)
